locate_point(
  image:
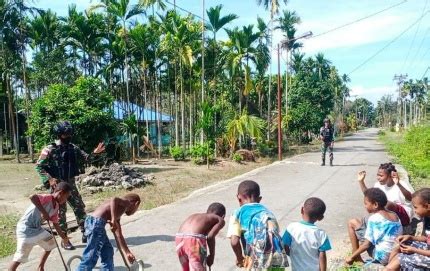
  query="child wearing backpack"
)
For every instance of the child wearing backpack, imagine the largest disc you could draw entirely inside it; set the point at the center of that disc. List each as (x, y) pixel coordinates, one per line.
(414, 251)
(254, 232)
(305, 243)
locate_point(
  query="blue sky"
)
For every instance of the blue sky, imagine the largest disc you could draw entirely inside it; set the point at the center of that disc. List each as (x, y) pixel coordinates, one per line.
(347, 47)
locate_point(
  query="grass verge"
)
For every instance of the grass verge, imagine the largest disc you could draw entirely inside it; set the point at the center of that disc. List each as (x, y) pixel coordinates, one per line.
(412, 150)
(7, 234)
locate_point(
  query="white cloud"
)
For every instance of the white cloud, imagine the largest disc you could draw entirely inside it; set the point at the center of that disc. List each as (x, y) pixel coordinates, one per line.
(373, 94)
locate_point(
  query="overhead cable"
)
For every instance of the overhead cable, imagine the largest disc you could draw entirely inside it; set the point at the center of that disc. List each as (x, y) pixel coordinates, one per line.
(388, 44)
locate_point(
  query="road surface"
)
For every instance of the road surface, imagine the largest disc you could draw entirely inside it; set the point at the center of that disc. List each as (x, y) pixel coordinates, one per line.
(284, 187)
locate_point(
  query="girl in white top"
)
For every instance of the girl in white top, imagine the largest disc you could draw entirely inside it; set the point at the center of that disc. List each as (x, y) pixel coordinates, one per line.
(398, 192)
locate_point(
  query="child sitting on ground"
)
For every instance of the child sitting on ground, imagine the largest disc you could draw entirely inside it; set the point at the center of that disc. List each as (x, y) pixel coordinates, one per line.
(414, 250)
(98, 242)
(29, 231)
(196, 234)
(383, 227)
(305, 243)
(254, 232)
(398, 192)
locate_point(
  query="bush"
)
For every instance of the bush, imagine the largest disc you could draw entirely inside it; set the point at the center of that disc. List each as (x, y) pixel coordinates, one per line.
(85, 104)
(199, 153)
(177, 153)
(413, 151)
(237, 158)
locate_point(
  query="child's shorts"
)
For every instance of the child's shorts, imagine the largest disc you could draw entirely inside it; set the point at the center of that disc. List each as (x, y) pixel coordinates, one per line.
(415, 261)
(361, 231)
(192, 251)
(25, 245)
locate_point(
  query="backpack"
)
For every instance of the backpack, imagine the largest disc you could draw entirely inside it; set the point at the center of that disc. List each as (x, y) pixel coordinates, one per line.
(327, 134)
(266, 248)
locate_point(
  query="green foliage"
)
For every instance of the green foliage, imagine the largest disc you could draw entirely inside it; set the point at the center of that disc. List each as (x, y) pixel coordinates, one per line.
(351, 121)
(201, 152)
(244, 125)
(237, 158)
(266, 148)
(412, 151)
(7, 234)
(177, 153)
(86, 105)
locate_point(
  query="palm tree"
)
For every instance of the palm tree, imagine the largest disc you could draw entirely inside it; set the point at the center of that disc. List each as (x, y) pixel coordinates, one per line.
(123, 11)
(242, 50)
(273, 5)
(287, 24)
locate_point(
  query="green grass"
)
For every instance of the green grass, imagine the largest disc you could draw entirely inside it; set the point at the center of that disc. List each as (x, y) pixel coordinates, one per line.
(412, 150)
(7, 234)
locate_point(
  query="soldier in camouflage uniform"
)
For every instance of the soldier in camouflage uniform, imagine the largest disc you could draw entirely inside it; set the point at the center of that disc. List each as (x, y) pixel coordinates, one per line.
(59, 162)
(327, 138)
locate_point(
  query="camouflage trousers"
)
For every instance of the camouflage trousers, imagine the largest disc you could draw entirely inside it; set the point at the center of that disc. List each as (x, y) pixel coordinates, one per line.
(324, 147)
(78, 207)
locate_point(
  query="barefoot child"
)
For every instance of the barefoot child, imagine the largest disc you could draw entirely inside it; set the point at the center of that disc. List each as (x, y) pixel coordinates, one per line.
(383, 227)
(254, 232)
(398, 192)
(196, 234)
(98, 243)
(305, 243)
(414, 250)
(29, 231)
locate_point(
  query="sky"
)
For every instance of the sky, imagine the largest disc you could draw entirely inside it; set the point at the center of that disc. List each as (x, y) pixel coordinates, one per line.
(401, 35)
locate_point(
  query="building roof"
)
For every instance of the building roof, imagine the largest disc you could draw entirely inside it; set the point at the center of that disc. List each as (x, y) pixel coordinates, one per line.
(142, 114)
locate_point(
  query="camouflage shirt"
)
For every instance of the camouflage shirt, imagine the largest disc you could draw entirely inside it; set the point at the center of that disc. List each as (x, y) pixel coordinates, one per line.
(60, 161)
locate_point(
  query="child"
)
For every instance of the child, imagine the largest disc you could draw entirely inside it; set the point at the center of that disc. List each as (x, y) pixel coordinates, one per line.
(383, 227)
(29, 231)
(305, 243)
(415, 250)
(254, 232)
(399, 192)
(196, 233)
(98, 243)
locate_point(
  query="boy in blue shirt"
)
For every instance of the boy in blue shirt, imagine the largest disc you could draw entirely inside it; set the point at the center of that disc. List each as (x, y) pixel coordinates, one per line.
(254, 232)
(305, 242)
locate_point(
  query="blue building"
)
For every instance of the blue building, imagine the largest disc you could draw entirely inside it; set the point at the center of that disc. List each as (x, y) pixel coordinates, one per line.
(144, 115)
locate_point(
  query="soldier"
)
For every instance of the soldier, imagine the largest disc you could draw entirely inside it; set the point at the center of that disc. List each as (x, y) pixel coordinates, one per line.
(59, 162)
(327, 138)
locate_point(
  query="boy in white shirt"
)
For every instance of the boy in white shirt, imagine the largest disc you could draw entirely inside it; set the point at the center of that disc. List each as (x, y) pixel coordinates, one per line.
(305, 242)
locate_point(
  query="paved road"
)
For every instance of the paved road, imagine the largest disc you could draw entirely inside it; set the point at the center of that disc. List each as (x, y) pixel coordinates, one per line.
(284, 187)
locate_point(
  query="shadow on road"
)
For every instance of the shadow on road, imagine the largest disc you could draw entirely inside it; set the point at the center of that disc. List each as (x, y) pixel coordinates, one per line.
(141, 240)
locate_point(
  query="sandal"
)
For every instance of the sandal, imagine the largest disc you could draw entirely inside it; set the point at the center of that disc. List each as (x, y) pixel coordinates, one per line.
(67, 246)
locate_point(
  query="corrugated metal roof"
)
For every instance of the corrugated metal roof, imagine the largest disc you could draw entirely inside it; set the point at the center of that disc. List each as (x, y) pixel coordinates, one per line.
(142, 114)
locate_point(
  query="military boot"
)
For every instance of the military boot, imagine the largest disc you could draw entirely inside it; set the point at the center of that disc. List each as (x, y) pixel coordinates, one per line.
(323, 162)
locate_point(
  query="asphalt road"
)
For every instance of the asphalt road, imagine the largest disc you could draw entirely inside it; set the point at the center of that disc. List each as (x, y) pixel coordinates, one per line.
(284, 187)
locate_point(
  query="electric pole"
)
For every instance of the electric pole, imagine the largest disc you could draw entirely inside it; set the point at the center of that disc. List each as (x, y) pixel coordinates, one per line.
(399, 80)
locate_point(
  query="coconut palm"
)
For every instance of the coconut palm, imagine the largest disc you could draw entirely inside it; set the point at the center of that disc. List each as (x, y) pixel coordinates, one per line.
(273, 5)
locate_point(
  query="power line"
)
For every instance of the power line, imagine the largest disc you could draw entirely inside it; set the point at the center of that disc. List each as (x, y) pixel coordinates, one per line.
(424, 74)
(419, 48)
(413, 40)
(187, 11)
(358, 20)
(388, 44)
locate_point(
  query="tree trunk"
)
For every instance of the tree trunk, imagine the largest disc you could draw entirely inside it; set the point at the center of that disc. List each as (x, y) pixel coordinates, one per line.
(176, 110)
(182, 105)
(11, 114)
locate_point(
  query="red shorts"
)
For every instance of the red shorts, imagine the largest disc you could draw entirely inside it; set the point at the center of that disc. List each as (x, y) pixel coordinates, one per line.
(402, 214)
(192, 251)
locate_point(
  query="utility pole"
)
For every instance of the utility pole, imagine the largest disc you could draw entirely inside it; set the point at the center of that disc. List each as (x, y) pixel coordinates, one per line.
(399, 80)
(202, 136)
(279, 108)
